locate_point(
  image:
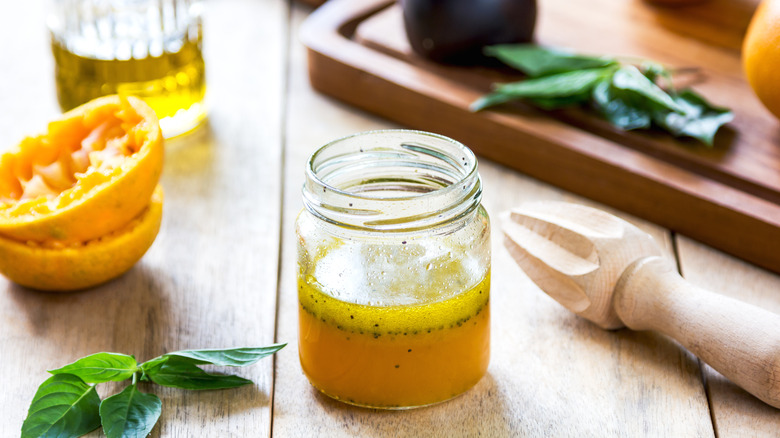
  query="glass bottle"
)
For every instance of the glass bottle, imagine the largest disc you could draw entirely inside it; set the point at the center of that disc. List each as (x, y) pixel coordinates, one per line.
(393, 270)
(151, 49)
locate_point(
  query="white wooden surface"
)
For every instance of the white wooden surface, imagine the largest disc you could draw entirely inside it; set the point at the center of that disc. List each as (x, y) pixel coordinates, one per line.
(222, 274)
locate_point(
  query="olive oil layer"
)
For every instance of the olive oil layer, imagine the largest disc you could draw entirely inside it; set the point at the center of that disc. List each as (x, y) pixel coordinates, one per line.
(394, 356)
(169, 83)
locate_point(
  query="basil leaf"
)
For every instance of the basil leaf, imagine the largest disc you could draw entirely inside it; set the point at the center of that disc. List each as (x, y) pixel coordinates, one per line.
(627, 96)
(538, 61)
(653, 70)
(129, 414)
(151, 364)
(63, 406)
(234, 357)
(182, 373)
(700, 120)
(628, 78)
(492, 99)
(619, 108)
(558, 85)
(549, 92)
(551, 103)
(101, 367)
(547, 103)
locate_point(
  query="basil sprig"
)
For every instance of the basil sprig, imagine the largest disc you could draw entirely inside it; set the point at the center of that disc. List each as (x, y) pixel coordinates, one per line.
(627, 96)
(67, 404)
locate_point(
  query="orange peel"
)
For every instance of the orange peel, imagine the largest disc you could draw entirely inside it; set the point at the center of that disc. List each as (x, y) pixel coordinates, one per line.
(90, 174)
(81, 265)
(761, 54)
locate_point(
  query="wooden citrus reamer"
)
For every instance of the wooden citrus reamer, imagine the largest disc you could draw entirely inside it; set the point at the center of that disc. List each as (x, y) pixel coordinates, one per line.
(612, 273)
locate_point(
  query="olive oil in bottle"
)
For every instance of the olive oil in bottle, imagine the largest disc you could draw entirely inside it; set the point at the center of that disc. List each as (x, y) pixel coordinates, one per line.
(151, 50)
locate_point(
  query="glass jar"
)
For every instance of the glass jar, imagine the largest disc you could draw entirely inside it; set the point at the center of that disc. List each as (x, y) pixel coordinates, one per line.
(393, 270)
(151, 49)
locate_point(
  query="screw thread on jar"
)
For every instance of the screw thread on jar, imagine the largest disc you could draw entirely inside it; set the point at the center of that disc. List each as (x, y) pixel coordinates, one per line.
(393, 181)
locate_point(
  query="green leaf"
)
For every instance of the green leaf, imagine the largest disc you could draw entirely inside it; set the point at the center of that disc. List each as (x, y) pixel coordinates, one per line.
(547, 103)
(549, 92)
(178, 372)
(653, 71)
(130, 414)
(619, 108)
(492, 99)
(551, 103)
(627, 96)
(63, 406)
(560, 85)
(233, 357)
(151, 364)
(700, 119)
(101, 367)
(628, 78)
(538, 61)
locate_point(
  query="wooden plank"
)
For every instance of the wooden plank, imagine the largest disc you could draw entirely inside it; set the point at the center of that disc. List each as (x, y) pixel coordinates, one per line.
(646, 174)
(27, 87)
(210, 279)
(735, 413)
(551, 373)
(312, 3)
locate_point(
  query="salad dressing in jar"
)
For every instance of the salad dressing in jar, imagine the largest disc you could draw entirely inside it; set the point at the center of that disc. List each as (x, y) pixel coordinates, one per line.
(394, 270)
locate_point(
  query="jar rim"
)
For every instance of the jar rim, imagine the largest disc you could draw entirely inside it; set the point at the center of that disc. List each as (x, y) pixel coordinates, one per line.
(394, 180)
(311, 173)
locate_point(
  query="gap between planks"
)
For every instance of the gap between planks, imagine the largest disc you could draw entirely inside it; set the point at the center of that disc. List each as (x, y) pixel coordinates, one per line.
(702, 374)
(284, 108)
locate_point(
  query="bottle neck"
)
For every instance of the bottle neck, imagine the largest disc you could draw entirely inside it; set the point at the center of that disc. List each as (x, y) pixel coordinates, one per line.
(393, 181)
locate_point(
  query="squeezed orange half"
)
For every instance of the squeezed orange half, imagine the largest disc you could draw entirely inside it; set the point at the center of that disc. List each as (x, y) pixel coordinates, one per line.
(394, 356)
(92, 171)
(80, 203)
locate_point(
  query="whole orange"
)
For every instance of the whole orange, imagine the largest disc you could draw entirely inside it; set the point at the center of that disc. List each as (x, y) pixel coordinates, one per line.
(675, 2)
(761, 54)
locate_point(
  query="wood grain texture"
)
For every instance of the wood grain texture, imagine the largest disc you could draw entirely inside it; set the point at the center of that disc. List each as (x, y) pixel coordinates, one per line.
(670, 182)
(735, 413)
(737, 339)
(210, 279)
(548, 366)
(312, 3)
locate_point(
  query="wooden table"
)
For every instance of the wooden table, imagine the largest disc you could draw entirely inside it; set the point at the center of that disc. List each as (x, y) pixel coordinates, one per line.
(221, 273)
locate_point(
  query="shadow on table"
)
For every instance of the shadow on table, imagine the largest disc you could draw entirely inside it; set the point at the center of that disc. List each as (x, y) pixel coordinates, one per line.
(647, 353)
(191, 155)
(480, 411)
(209, 407)
(125, 315)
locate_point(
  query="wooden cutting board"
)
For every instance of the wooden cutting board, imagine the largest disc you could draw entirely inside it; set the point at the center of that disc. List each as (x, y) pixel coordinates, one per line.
(727, 196)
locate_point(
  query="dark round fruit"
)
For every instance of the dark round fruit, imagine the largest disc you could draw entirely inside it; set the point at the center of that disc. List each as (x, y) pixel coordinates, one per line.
(455, 31)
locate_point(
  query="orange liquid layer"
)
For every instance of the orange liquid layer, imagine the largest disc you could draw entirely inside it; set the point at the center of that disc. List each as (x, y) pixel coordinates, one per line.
(394, 356)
